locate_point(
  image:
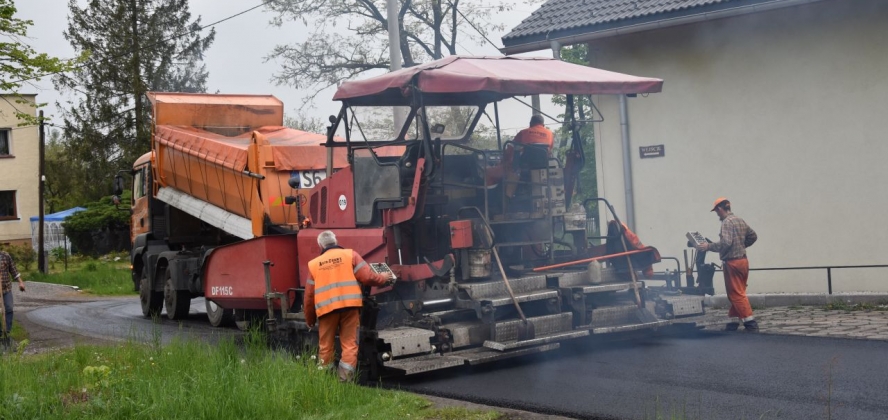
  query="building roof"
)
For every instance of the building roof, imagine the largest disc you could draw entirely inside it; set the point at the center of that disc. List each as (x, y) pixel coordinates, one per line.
(575, 20)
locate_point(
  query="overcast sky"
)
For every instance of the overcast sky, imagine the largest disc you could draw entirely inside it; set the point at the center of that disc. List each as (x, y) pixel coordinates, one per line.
(235, 60)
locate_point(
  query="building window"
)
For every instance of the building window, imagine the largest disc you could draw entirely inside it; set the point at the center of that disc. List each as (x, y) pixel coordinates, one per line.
(7, 205)
(5, 147)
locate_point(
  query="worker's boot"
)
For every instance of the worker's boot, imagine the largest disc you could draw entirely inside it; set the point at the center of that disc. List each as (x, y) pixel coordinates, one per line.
(751, 326)
(346, 375)
(732, 326)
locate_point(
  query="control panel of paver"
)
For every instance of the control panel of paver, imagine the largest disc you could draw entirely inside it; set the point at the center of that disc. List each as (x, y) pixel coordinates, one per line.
(383, 268)
(696, 238)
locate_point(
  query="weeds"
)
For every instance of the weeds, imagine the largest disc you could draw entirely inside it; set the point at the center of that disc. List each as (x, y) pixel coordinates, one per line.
(840, 305)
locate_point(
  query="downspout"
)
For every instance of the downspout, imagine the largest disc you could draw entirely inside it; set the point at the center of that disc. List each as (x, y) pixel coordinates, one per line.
(627, 163)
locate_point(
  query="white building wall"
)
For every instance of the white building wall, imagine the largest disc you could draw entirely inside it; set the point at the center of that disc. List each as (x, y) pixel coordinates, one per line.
(19, 173)
(784, 113)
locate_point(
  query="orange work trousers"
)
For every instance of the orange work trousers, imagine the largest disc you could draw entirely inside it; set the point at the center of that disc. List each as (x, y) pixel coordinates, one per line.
(736, 276)
(345, 322)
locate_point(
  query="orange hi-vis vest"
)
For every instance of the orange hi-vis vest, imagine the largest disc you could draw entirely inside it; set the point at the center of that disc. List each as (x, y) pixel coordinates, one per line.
(334, 279)
(537, 134)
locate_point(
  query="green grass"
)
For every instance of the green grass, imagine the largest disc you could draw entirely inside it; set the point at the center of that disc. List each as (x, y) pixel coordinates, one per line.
(194, 380)
(102, 276)
(18, 333)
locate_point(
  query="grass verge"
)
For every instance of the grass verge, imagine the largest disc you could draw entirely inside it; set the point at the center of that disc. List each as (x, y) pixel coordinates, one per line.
(97, 276)
(193, 380)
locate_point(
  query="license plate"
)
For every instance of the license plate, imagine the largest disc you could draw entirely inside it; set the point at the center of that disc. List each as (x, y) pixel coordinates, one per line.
(309, 179)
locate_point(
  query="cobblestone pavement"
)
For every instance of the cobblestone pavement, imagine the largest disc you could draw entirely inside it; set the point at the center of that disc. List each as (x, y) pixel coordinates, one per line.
(811, 321)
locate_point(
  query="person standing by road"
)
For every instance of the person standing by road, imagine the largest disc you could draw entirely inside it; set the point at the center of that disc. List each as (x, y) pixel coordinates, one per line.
(8, 273)
(734, 238)
(333, 298)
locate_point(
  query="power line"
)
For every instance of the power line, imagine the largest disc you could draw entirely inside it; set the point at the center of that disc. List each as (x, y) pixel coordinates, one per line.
(477, 30)
(154, 44)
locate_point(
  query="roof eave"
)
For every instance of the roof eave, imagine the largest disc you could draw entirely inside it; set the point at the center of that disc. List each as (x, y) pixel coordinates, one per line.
(576, 36)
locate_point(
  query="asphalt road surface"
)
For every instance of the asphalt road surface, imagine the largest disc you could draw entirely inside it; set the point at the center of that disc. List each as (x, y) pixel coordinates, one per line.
(121, 320)
(697, 376)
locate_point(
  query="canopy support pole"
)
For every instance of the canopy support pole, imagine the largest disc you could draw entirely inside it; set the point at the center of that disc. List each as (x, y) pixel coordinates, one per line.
(394, 35)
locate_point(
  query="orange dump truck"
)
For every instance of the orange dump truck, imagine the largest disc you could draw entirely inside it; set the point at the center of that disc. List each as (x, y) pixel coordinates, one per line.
(223, 188)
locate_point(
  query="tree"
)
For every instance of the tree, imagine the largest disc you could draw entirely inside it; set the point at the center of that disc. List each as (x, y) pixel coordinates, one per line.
(60, 188)
(584, 111)
(19, 63)
(305, 123)
(351, 37)
(134, 46)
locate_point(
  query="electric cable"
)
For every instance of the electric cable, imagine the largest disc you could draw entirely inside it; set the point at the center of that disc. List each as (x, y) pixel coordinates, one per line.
(144, 47)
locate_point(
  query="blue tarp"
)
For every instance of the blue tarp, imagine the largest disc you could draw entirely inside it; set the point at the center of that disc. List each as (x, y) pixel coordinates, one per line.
(58, 217)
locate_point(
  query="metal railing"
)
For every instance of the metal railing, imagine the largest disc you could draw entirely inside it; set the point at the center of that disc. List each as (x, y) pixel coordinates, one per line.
(676, 276)
(828, 268)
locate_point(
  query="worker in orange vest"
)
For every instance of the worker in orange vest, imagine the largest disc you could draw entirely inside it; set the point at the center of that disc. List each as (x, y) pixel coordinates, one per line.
(734, 238)
(333, 298)
(536, 134)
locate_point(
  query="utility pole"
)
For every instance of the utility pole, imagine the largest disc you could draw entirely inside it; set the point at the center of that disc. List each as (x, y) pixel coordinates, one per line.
(138, 90)
(41, 257)
(395, 53)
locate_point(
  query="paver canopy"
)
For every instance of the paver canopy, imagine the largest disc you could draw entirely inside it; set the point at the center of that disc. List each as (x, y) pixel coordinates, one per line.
(459, 80)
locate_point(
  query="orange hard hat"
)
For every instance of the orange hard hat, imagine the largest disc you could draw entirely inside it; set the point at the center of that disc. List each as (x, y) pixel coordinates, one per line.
(717, 202)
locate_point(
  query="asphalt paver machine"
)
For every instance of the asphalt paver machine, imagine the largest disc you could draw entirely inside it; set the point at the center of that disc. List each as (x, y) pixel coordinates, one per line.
(492, 252)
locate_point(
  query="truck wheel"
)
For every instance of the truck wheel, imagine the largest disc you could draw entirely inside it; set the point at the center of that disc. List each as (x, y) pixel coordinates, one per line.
(176, 302)
(218, 316)
(152, 302)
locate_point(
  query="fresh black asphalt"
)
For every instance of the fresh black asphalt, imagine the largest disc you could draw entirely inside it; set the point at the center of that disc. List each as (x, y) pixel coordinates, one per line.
(689, 376)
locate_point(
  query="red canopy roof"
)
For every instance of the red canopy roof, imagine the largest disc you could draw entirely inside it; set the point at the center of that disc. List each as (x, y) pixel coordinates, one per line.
(492, 78)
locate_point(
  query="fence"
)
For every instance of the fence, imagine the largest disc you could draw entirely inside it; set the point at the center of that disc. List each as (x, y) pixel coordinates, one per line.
(675, 276)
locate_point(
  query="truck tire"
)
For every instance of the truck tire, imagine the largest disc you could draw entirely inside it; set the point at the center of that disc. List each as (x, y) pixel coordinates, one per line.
(176, 302)
(152, 302)
(218, 316)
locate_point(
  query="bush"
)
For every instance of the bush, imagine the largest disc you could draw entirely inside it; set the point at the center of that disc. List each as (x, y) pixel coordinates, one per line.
(101, 228)
(59, 253)
(23, 255)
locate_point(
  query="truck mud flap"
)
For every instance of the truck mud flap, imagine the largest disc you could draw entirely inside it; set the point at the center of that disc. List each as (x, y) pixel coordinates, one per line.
(474, 356)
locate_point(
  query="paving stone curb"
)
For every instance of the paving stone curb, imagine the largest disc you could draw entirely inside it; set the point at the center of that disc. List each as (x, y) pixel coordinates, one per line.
(797, 299)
